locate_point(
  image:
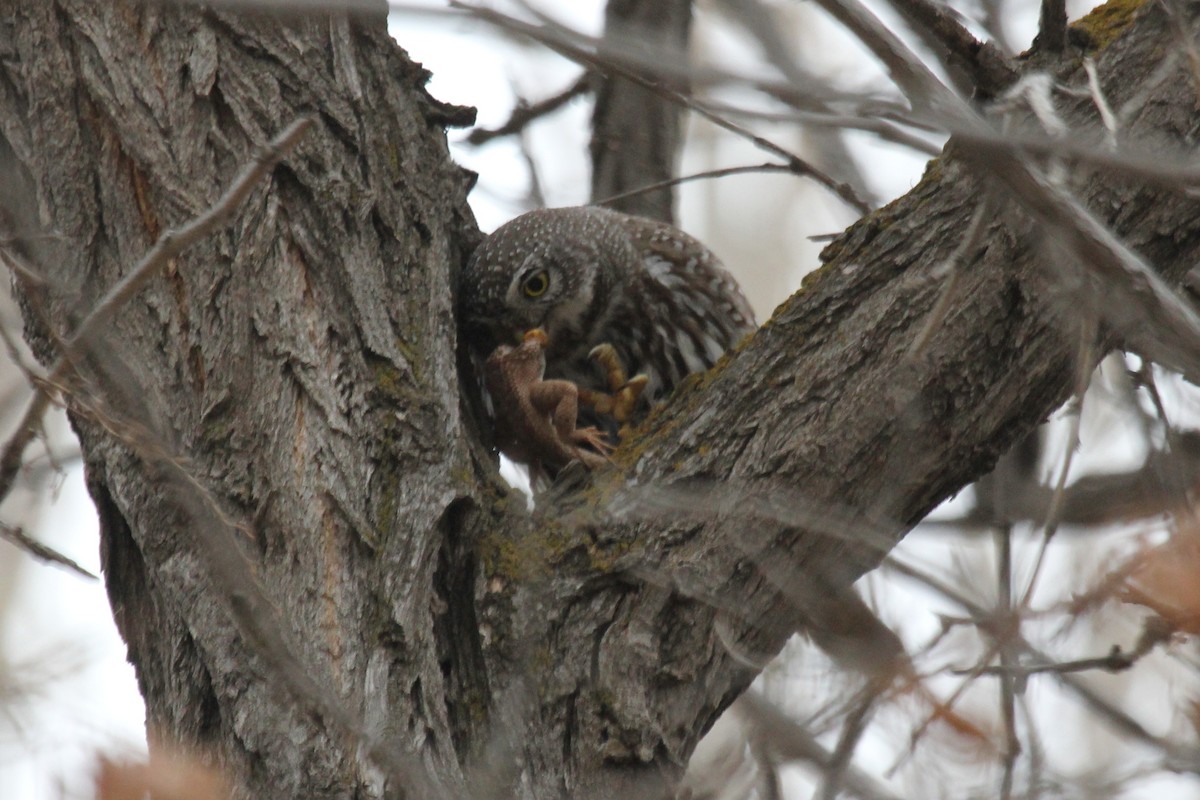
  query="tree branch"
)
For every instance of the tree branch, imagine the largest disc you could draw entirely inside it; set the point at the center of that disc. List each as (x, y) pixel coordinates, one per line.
(989, 69)
(525, 113)
(868, 430)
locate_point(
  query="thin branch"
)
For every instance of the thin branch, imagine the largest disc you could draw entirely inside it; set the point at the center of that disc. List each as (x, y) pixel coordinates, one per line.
(923, 89)
(17, 537)
(1008, 686)
(573, 46)
(791, 742)
(525, 113)
(843, 753)
(1116, 661)
(990, 71)
(537, 196)
(885, 129)
(169, 245)
(1052, 26)
(1094, 702)
(1054, 514)
(843, 191)
(762, 23)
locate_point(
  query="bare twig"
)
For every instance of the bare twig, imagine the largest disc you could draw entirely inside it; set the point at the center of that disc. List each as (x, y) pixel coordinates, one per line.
(537, 196)
(1054, 514)
(587, 51)
(790, 168)
(796, 164)
(1094, 702)
(853, 729)
(1052, 25)
(1008, 685)
(828, 145)
(989, 69)
(923, 89)
(1117, 660)
(992, 19)
(17, 537)
(525, 113)
(791, 741)
(883, 128)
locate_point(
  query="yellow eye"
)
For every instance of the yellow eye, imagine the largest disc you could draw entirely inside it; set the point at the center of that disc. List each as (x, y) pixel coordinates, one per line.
(536, 284)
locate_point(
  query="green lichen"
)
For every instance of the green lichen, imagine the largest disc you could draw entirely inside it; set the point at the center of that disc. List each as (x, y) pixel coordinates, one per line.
(528, 555)
(1107, 22)
(550, 545)
(385, 503)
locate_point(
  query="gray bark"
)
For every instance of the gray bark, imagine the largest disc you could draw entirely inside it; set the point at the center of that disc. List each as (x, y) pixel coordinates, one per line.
(320, 579)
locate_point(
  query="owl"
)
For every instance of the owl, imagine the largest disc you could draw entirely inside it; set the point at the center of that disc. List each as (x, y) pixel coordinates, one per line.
(588, 276)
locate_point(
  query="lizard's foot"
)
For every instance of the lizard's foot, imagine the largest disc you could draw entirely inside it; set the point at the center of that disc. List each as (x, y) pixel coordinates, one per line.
(594, 438)
(625, 391)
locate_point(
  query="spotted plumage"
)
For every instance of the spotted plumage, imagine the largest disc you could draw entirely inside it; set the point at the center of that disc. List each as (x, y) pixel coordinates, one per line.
(589, 276)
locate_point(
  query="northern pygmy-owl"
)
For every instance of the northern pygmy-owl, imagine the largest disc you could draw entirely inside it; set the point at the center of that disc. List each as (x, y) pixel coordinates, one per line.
(590, 276)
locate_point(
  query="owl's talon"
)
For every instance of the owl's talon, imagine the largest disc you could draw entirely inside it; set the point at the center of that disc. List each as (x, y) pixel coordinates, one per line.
(626, 399)
(614, 371)
(624, 391)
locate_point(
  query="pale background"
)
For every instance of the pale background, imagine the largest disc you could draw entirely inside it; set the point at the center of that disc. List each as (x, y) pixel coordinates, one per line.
(66, 693)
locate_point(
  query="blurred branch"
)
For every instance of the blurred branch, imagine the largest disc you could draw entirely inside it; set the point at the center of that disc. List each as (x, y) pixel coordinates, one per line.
(796, 164)
(17, 537)
(992, 19)
(763, 24)
(1180, 756)
(923, 89)
(1096, 500)
(885, 129)
(618, 59)
(791, 741)
(989, 70)
(1155, 633)
(798, 167)
(1052, 25)
(525, 113)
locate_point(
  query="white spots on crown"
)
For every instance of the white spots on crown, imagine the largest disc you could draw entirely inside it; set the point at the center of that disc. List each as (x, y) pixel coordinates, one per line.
(658, 266)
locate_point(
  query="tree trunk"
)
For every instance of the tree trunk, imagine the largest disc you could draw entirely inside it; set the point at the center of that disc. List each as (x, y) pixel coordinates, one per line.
(321, 580)
(281, 539)
(636, 136)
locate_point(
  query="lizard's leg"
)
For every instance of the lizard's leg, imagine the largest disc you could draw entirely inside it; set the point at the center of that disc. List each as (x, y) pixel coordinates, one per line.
(560, 400)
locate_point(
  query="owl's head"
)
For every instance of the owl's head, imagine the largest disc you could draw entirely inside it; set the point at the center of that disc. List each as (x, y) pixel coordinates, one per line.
(546, 269)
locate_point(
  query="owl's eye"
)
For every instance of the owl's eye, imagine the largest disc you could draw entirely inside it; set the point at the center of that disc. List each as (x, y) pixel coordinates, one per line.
(536, 284)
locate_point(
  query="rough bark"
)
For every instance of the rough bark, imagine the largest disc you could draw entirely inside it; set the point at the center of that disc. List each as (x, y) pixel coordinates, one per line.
(636, 135)
(317, 573)
(284, 398)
